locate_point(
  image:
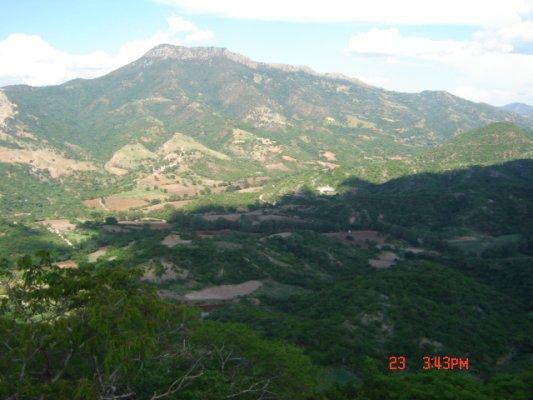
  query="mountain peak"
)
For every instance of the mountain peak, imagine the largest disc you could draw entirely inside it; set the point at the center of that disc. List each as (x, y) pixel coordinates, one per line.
(175, 52)
(522, 109)
(168, 51)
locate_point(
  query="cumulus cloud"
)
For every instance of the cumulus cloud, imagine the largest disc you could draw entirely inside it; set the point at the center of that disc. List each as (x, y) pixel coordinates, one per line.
(489, 66)
(31, 60)
(493, 13)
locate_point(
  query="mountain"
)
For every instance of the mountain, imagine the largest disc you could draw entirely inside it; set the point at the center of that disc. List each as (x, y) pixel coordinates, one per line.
(181, 122)
(520, 108)
(492, 144)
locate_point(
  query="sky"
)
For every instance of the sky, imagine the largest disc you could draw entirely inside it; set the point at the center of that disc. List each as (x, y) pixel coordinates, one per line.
(481, 50)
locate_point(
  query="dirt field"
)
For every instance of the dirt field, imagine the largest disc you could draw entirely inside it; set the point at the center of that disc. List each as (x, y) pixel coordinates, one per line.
(67, 264)
(384, 260)
(276, 166)
(358, 237)
(116, 203)
(328, 165)
(227, 217)
(155, 225)
(45, 159)
(61, 225)
(173, 240)
(95, 255)
(329, 155)
(224, 292)
(94, 203)
(254, 215)
(174, 204)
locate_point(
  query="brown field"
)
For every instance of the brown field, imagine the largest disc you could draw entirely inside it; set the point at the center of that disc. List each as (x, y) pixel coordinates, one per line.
(94, 203)
(224, 292)
(358, 237)
(384, 260)
(155, 225)
(289, 158)
(281, 235)
(61, 225)
(116, 203)
(276, 166)
(67, 264)
(227, 217)
(173, 240)
(45, 159)
(155, 179)
(251, 189)
(329, 155)
(95, 255)
(254, 215)
(328, 165)
(174, 204)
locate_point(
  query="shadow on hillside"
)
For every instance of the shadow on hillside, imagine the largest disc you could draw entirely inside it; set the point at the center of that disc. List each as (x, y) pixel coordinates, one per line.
(495, 199)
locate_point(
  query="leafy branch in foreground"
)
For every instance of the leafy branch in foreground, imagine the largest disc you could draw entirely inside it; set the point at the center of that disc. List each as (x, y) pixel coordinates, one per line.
(93, 333)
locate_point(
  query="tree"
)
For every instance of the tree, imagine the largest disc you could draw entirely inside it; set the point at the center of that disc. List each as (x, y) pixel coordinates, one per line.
(92, 333)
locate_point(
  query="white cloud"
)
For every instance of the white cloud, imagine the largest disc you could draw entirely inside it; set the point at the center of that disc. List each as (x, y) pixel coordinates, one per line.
(487, 67)
(30, 59)
(493, 13)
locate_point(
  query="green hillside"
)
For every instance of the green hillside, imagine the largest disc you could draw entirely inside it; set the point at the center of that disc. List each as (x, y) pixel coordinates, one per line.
(492, 144)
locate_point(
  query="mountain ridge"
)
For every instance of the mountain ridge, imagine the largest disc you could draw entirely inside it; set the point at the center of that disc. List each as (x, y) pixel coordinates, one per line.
(231, 122)
(520, 108)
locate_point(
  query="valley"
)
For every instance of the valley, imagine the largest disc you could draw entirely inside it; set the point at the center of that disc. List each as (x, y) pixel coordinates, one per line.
(195, 205)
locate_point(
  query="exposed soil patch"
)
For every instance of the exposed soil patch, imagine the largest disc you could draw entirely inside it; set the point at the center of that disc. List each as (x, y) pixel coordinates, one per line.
(281, 235)
(329, 155)
(327, 164)
(95, 255)
(179, 189)
(7, 109)
(289, 158)
(127, 158)
(94, 203)
(276, 166)
(45, 159)
(61, 225)
(224, 292)
(117, 203)
(155, 225)
(251, 189)
(173, 240)
(227, 217)
(358, 237)
(67, 264)
(384, 260)
(174, 204)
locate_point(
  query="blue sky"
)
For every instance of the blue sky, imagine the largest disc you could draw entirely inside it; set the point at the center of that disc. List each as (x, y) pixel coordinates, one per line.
(479, 50)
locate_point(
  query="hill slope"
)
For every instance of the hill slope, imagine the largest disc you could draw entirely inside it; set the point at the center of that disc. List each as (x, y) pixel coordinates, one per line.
(492, 144)
(191, 121)
(520, 108)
